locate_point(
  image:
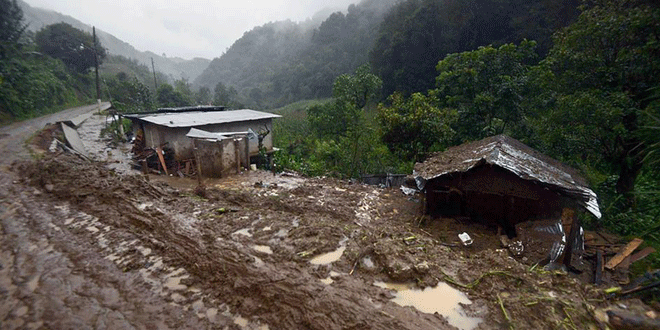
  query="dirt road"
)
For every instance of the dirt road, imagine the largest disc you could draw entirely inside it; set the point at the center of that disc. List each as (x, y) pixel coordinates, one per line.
(83, 246)
(52, 277)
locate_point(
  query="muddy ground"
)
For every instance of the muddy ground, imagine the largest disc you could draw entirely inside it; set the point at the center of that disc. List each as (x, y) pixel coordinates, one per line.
(84, 246)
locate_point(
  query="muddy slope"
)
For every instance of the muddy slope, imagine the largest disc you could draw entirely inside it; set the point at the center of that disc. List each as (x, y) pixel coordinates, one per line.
(214, 243)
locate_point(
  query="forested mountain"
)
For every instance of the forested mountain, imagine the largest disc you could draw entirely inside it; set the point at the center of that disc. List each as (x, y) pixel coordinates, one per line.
(416, 34)
(174, 68)
(281, 62)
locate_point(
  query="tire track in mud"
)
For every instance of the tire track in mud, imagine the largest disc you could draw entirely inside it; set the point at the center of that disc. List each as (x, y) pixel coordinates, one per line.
(53, 277)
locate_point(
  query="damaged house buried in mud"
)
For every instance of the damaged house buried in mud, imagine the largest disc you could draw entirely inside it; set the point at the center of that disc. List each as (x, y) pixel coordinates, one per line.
(210, 140)
(502, 182)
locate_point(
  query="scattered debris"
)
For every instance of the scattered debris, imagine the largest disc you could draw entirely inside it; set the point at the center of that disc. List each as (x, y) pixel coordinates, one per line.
(465, 238)
(625, 252)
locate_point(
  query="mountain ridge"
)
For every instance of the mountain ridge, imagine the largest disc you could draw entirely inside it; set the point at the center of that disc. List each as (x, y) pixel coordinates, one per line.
(174, 67)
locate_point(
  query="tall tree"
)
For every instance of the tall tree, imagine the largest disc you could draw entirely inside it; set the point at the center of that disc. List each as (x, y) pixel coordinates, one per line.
(486, 87)
(203, 96)
(416, 125)
(167, 96)
(596, 83)
(352, 92)
(11, 27)
(74, 47)
(344, 118)
(129, 95)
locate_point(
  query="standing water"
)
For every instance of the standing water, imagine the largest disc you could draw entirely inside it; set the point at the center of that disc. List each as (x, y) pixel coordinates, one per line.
(330, 257)
(442, 299)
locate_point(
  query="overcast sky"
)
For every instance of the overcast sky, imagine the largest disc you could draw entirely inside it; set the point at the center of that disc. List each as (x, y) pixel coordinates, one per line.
(187, 29)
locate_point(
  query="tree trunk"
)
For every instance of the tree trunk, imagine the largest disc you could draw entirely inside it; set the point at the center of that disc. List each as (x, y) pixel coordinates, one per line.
(631, 165)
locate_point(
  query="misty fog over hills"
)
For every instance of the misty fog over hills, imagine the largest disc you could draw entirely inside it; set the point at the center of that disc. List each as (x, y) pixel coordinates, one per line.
(281, 62)
(175, 68)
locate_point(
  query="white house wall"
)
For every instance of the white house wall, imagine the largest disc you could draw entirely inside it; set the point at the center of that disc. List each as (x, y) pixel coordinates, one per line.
(176, 139)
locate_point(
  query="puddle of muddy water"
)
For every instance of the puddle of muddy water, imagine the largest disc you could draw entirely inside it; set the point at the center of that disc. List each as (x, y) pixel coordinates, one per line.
(244, 232)
(262, 248)
(328, 280)
(173, 281)
(442, 299)
(330, 257)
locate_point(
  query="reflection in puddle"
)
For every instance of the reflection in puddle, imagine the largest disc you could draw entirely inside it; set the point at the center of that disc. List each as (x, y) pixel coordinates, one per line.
(244, 231)
(262, 248)
(442, 299)
(330, 257)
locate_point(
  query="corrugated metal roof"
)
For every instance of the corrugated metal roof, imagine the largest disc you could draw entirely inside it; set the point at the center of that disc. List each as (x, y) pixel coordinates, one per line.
(192, 119)
(514, 156)
(201, 134)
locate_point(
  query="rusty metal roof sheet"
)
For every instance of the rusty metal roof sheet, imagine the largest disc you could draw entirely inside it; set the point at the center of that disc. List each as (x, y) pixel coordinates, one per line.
(511, 155)
(200, 118)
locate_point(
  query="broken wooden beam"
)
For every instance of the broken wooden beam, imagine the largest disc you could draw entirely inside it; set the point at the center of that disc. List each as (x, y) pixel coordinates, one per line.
(626, 251)
(599, 267)
(572, 223)
(159, 151)
(641, 254)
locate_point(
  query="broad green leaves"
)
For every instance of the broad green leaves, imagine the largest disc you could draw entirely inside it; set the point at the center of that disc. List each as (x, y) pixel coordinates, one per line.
(596, 86)
(344, 115)
(416, 125)
(486, 87)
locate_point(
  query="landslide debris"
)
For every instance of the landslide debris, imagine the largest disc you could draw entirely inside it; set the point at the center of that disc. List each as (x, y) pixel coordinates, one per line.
(214, 238)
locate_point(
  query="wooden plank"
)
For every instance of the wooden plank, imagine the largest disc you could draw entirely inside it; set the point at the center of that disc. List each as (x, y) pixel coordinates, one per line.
(625, 264)
(599, 267)
(626, 251)
(568, 220)
(642, 254)
(159, 151)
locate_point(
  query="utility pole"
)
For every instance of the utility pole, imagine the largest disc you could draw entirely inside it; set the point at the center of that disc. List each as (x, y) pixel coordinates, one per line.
(96, 66)
(153, 68)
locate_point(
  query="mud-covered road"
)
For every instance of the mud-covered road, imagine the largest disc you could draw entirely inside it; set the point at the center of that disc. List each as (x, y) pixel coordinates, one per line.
(51, 276)
(83, 246)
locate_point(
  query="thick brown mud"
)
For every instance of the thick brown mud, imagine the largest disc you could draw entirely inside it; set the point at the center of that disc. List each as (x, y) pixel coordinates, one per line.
(84, 246)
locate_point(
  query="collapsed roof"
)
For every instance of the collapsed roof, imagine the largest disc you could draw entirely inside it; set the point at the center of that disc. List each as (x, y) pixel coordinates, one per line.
(514, 156)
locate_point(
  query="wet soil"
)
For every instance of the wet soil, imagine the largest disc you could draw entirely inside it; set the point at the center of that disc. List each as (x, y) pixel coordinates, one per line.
(84, 246)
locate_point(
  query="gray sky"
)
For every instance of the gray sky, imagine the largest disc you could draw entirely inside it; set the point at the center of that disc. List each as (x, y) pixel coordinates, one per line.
(187, 29)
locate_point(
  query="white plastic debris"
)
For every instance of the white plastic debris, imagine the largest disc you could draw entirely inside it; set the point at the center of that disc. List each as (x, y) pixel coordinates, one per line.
(465, 238)
(408, 191)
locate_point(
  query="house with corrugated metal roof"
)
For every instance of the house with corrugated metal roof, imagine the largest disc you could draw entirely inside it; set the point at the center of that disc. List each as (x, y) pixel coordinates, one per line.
(171, 127)
(177, 130)
(503, 182)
